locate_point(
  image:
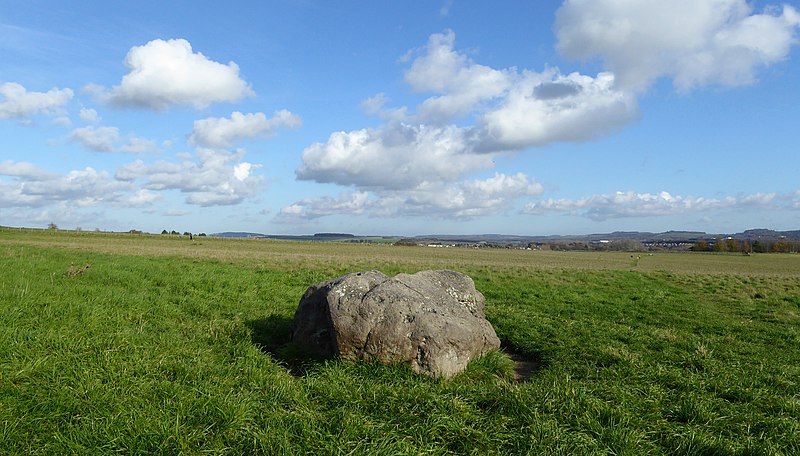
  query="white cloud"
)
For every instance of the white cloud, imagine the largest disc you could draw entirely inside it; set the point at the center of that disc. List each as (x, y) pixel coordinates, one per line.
(759, 199)
(459, 200)
(349, 203)
(393, 156)
(12, 195)
(21, 104)
(34, 187)
(502, 185)
(222, 132)
(99, 139)
(209, 178)
(462, 200)
(376, 106)
(108, 139)
(632, 204)
(86, 187)
(694, 42)
(65, 213)
(164, 73)
(24, 170)
(89, 115)
(142, 197)
(241, 171)
(462, 82)
(62, 120)
(513, 110)
(548, 107)
(137, 145)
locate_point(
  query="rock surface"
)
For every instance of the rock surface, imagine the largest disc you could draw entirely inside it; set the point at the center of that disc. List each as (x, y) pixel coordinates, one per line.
(432, 320)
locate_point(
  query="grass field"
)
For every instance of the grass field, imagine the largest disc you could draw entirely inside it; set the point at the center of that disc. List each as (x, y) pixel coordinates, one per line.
(170, 346)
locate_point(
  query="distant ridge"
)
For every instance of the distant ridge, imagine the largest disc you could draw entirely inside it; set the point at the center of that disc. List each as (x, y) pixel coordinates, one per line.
(304, 237)
(641, 236)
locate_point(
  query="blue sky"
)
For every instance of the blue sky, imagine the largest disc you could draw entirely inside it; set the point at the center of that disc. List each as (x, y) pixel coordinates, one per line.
(405, 118)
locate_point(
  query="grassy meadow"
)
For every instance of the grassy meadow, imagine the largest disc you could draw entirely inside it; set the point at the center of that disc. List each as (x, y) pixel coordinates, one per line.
(170, 346)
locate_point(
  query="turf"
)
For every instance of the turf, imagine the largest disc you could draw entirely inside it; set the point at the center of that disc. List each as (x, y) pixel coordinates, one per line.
(175, 347)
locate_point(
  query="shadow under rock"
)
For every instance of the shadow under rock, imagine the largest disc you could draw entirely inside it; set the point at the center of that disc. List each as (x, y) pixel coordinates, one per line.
(273, 335)
(526, 363)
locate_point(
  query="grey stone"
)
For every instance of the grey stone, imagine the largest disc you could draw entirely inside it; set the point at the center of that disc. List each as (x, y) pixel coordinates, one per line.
(432, 320)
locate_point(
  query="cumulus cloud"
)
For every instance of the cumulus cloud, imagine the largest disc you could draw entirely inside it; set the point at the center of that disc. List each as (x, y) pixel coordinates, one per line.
(24, 170)
(461, 200)
(12, 195)
(632, 204)
(693, 42)
(108, 139)
(86, 187)
(223, 132)
(65, 213)
(18, 103)
(376, 106)
(137, 145)
(164, 73)
(100, 139)
(547, 107)
(349, 203)
(208, 178)
(31, 186)
(142, 197)
(393, 156)
(512, 110)
(461, 82)
(89, 115)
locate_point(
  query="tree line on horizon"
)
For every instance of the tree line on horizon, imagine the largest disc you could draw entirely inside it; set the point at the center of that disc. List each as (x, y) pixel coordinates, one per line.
(185, 233)
(746, 246)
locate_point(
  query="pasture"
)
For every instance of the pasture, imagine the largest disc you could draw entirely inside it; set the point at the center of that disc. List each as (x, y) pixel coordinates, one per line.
(165, 345)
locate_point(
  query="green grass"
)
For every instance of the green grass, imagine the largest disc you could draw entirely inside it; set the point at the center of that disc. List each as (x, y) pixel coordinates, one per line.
(173, 347)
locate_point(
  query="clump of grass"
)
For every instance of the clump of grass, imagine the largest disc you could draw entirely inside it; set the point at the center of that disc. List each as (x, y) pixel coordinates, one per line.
(665, 334)
(702, 351)
(690, 410)
(494, 366)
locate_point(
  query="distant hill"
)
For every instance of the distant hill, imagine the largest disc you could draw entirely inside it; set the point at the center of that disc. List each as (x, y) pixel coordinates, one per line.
(303, 237)
(640, 236)
(333, 236)
(767, 234)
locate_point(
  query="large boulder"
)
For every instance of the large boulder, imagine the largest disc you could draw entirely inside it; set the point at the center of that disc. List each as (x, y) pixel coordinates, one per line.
(432, 320)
